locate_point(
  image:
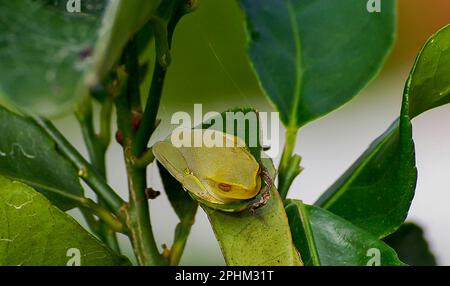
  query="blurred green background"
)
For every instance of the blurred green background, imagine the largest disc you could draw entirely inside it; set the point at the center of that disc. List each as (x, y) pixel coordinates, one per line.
(210, 66)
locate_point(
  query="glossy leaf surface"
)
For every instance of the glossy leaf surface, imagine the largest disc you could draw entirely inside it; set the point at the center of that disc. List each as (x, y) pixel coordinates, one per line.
(336, 241)
(27, 154)
(33, 232)
(376, 191)
(312, 56)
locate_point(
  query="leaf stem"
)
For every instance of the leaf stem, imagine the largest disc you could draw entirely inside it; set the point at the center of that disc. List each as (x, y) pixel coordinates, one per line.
(291, 139)
(97, 144)
(96, 149)
(85, 170)
(87, 204)
(149, 117)
(151, 110)
(105, 123)
(132, 66)
(146, 159)
(134, 141)
(89, 217)
(144, 243)
(182, 232)
(289, 166)
(104, 215)
(141, 233)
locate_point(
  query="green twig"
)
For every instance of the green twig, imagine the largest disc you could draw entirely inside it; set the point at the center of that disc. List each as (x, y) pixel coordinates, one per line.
(89, 217)
(96, 149)
(87, 204)
(105, 123)
(132, 67)
(141, 234)
(151, 110)
(135, 137)
(289, 166)
(97, 144)
(146, 159)
(149, 117)
(85, 170)
(135, 143)
(182, 232)
(104, 215)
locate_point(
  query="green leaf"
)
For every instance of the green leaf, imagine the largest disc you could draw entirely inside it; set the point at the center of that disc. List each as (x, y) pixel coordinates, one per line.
(43, 52)
(429, 85)
(335, 240)
(312, 56)
(410, 244)
(50, 58)
(33, 232)
(375, 193)
(122, 19)
(263, 238)
(27, 154)
(184, 206)
(302, 232)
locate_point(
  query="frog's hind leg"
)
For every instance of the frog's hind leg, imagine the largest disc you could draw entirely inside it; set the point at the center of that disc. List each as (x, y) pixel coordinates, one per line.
(266, 194)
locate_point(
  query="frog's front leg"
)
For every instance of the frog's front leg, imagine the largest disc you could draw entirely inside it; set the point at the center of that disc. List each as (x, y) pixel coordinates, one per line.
(266, 194)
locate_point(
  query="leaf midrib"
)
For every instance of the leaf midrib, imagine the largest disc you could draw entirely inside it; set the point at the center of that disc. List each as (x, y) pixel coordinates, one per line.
(298, 64)
(327, 204)
(304, 215)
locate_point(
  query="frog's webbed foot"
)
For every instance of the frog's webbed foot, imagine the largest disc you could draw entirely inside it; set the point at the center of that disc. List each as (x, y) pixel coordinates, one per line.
(266, 194)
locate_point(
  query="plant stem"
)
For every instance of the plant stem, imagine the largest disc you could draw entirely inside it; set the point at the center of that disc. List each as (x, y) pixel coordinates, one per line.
(291, 139)
(96, 149)
(141, 233)
(104, 215)
(149, 117)
(286, 171)
(142, 236)
(135, 142)
(85, 170)
(151, 110)
(132, 67)
(87, 204)
(182, 232)
(146, 159)
(105, 123)
(97, 146)
(89, 217)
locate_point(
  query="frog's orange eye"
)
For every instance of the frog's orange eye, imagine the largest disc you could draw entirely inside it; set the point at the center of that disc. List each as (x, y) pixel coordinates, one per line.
(224, 187)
